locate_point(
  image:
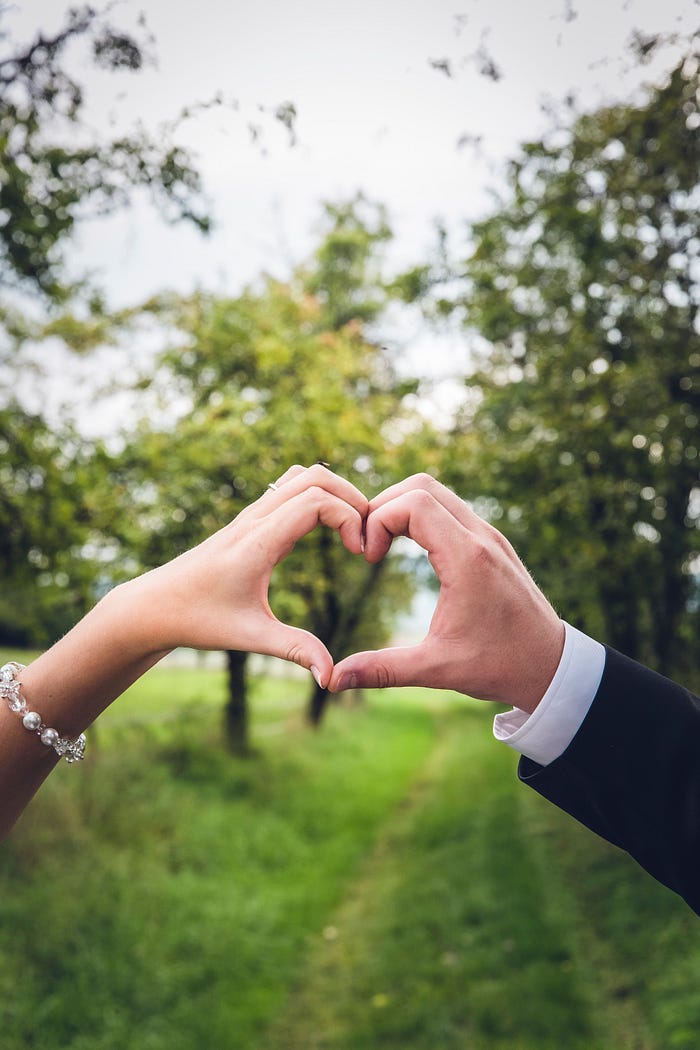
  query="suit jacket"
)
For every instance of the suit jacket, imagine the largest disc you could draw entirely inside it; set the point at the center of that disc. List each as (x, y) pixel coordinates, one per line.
(632, 773)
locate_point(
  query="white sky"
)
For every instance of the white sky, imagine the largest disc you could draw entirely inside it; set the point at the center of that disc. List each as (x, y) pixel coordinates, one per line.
(372, 115)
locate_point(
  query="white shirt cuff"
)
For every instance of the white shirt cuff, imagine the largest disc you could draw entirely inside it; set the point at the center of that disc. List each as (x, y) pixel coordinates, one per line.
(547, 732)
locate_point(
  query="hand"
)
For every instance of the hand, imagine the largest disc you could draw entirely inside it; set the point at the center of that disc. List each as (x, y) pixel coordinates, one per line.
(493, 634)
(212, 597)
(215, 596)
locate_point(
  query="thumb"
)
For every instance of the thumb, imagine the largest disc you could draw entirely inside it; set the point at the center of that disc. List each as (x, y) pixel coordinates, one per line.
(299, 647)
(378, 668)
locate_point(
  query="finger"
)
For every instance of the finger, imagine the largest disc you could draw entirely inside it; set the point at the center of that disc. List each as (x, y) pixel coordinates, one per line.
(286, 524)
(298, 479)
(420, 516)
(274, 638)
(320, 476)
(262, 503)
(380, 669)
(449, 499)
(290, 472)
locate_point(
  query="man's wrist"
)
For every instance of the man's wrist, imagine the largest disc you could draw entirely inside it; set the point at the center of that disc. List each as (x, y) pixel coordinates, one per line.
(546, 733)
(544, 663)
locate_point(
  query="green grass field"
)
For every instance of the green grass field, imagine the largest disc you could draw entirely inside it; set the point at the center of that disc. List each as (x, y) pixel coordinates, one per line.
(385, 882)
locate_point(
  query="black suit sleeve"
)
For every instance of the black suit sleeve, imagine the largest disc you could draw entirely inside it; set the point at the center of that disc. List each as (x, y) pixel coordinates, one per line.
(632, 773)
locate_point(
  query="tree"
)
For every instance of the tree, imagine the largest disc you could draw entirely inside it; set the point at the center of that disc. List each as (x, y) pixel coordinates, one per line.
(275, 376)
(582, 427)
(54, 171)
(45, 535)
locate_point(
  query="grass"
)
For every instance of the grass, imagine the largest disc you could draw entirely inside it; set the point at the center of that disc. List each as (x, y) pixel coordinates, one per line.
(449, 938)
(383, 883)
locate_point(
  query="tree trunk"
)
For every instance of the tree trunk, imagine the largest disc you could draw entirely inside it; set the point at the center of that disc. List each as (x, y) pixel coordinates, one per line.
(337, 633)
(673, 547)
(317, 705)
(236, 712)
(326, 626)
(617, 587)
(620, 616)
(667, 623)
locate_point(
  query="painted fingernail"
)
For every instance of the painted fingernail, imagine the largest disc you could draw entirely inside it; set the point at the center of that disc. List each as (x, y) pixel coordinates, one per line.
(317, 675)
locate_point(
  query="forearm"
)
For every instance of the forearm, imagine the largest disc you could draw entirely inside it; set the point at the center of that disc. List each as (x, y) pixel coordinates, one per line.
(69, 685)
(632, 772)
(214, 596)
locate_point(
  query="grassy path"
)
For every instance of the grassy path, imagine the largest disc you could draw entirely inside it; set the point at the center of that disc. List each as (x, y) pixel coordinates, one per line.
(479, 920)
(385, 883)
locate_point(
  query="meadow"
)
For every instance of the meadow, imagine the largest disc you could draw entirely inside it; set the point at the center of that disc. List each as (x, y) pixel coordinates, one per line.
(384, 882)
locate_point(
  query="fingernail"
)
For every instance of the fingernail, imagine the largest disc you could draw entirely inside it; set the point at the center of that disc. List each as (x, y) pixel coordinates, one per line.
(317, 675)
(347, 681)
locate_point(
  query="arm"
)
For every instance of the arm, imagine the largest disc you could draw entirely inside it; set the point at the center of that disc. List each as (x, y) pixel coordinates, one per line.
(212, 597)
(631, 771)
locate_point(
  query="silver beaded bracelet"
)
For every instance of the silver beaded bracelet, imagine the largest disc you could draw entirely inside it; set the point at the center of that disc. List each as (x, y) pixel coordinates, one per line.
(71, 750)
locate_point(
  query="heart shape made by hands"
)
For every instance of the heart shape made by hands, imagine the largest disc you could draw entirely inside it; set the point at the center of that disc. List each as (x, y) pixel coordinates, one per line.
(492, 635)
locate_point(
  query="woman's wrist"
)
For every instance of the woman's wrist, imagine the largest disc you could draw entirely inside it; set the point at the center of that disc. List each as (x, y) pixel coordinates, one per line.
(139, 611)
(71, 683)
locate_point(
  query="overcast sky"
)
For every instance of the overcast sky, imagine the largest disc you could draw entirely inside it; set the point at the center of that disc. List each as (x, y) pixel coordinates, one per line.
(374, 113)
(384, 91)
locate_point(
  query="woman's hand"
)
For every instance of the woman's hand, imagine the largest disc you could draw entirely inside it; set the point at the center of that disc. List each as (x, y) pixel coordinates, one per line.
(212, 597)
(215, 596)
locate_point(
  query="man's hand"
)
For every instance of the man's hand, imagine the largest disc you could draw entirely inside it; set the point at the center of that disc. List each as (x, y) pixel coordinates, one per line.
(493, 635)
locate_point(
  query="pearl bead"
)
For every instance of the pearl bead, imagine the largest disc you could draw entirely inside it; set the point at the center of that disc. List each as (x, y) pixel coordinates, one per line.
(31, 720)
(49, 737)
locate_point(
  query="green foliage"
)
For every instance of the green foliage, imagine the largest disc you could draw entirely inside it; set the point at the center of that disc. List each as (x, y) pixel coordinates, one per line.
(345, 275)
(581, 433)
(46, 538)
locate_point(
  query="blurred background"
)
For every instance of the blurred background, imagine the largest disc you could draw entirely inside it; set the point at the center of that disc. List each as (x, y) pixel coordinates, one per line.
(393, 237)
